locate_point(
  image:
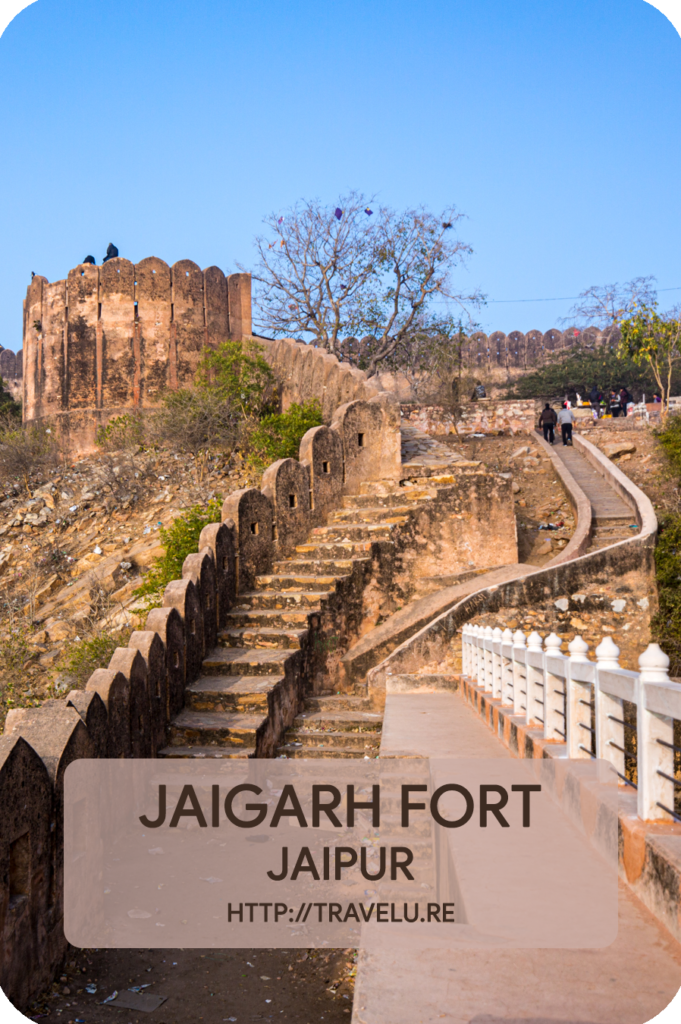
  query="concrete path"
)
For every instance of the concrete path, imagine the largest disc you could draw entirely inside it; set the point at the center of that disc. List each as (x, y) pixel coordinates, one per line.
(628, 982)
(605, 502)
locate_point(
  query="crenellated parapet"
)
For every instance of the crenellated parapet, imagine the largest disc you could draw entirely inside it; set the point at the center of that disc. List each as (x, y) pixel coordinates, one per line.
(126, 708)
(113, 338)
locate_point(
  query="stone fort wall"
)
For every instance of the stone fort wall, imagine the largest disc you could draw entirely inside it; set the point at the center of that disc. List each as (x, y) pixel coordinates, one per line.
(113, 338)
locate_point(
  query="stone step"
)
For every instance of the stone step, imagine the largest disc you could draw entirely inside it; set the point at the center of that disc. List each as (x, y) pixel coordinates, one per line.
(214, 728)
(368, 743)
(421, 471)
(294, 751)
(279, 599)
(299, 581)
(338, 702)
(205, 752)
(243, 694)
(323, 567)
(397, 500)
(370, 514)
(319, 549)
(263, 637)
(604, 519)
(338, 721)
(231, 661)
(357, 531)
(428, 683)
(283, 618)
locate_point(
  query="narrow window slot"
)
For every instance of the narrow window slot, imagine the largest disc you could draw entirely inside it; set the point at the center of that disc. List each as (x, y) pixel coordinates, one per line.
(360, 440)
(293, 501)
(255, 528)
(325, 467)
(137, 312)
(19, 868)
(99, 311)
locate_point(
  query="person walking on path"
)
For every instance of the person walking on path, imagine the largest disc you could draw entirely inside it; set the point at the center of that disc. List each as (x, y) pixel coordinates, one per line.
(595, 399)
(615, 404)
(547, 422)
(566, 418)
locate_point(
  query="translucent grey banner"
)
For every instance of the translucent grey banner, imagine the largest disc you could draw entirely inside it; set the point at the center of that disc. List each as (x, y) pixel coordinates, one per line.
(397, 853)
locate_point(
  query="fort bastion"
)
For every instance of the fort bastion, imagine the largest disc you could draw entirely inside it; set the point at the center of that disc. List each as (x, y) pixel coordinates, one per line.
(113, 338)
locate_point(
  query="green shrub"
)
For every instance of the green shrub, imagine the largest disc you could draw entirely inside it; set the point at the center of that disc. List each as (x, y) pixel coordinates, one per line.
(94, 652)
(669, 440)
(238, 372)
(278, 436)
(179, 540)
(666, 624)
(580, 370)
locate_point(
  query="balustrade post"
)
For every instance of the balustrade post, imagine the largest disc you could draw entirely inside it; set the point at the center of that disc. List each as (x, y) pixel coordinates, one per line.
(534, 680)
(479, 663)
(609, 710)
(655, 736)
(487, 643)
(555, 674)
(578, 703)
(496, 662)
(465, 650)
(519, 653)
(506, 670)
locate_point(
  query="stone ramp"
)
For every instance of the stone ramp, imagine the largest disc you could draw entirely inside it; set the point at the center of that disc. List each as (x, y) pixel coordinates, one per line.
(383, 639)
(628, 982)
(605, 502)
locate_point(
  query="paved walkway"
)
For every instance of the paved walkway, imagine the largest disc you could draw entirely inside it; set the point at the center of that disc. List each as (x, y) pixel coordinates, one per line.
(420, 449)
(628, 982)
(606, 503)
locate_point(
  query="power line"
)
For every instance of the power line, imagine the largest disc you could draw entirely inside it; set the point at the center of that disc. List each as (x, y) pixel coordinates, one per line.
(564, 298)
(567, 298)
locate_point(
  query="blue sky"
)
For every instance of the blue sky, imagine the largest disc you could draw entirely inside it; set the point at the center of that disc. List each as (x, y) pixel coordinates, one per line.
(172, 128)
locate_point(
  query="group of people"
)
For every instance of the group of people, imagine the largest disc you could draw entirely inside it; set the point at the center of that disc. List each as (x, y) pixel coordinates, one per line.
(616, 403)
(549, 418)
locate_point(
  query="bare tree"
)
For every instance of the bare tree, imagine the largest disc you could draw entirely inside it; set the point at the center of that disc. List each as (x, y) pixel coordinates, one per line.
(326, 272)
(606, 305)
(432, 359)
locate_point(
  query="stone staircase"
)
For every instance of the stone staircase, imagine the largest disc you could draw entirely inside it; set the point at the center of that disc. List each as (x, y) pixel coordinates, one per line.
(227, 709)
(611, 529)
(341, 726)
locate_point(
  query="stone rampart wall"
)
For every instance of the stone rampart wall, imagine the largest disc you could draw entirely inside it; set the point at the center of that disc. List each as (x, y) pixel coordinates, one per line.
(488, 415)
(126, 708)
(113, 338)
(508, 352)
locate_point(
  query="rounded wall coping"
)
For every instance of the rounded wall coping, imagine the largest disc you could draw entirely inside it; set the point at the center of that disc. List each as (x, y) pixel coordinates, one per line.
(581, 505)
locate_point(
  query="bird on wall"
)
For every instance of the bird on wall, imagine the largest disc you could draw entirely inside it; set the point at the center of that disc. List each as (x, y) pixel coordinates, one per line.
(111, 252)
(89, 259)
(32, 274)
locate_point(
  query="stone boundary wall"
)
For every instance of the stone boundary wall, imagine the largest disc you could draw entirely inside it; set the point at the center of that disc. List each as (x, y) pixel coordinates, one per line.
(126, 708)
(113, 338)
(488, 415)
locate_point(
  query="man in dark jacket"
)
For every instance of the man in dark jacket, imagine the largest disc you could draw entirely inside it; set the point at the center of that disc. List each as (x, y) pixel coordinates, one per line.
(547, 421)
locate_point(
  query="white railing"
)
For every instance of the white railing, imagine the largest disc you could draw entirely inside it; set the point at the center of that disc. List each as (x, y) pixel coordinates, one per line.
(581, 703)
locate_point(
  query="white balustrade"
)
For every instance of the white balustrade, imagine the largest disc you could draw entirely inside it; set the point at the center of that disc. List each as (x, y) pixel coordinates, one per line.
(582, 703)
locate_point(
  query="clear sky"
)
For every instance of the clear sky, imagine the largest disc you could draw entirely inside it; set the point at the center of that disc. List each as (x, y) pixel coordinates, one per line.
(171, 127)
